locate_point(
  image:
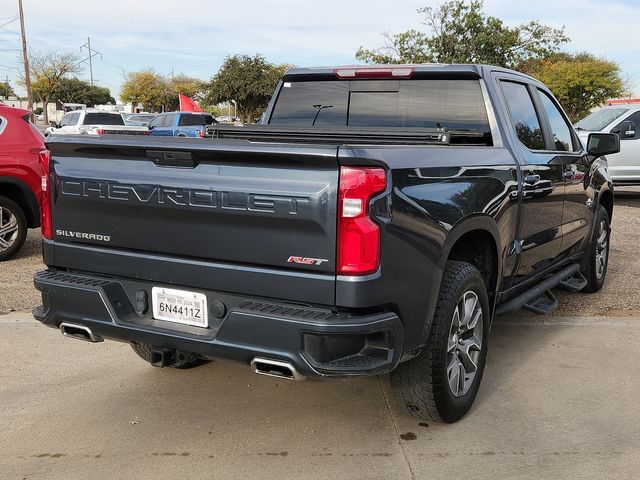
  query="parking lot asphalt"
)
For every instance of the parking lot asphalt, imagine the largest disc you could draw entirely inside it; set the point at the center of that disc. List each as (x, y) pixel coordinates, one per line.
(559, 400)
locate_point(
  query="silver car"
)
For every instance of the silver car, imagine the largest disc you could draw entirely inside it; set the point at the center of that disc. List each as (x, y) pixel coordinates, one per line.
(624, 120)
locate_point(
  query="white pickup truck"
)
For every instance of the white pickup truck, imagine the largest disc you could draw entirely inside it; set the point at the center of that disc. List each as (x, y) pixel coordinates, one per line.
(624, 120)
(94, 122)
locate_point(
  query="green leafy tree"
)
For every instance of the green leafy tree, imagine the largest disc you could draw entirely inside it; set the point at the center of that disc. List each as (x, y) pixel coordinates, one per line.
(146, 87)
(580, 82)
(47, 71)
(157, 92)
(460, 32)
(249, 81)
(6, 90)
(75, 90)
(189, 86)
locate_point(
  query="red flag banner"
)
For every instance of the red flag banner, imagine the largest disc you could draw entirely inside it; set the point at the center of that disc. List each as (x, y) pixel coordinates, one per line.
(188, 105)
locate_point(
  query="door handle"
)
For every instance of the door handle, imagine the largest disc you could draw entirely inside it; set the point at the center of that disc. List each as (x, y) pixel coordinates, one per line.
(568, 175)
(531, 179)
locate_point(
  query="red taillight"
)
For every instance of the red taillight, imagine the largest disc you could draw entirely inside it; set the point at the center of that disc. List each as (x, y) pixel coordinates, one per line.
(200, 133)
(45, 202)
(399, 71)
(99, 131)
(358, 235)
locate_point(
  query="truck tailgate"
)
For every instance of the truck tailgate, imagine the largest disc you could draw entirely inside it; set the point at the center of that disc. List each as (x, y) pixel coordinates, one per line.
(223, 201)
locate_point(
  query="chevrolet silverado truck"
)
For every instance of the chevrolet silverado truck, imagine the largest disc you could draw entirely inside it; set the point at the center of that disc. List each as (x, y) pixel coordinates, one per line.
(376, 223)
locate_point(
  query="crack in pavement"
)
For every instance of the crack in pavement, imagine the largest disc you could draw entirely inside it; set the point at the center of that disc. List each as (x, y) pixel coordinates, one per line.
(395, 427)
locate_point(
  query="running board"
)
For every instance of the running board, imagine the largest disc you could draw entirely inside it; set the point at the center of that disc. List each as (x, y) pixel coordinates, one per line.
(543, 304)
(533, 299)
(575, 283)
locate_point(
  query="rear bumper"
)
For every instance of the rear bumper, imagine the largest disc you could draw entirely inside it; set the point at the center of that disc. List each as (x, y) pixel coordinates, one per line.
(317, 342)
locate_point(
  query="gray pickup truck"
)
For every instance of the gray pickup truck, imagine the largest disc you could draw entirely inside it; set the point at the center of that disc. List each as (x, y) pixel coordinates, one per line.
(377, 222)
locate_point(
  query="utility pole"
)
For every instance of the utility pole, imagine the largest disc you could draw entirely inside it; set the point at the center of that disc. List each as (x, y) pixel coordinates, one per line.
(25, 58)
(92, 53)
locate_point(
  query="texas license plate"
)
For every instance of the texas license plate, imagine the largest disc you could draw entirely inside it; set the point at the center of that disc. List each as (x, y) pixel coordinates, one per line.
(179, 306)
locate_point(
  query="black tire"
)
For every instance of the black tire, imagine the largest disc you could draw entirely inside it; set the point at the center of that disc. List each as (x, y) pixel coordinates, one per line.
(18, 237)
(596, 277)
(422, 384)
(143, 350)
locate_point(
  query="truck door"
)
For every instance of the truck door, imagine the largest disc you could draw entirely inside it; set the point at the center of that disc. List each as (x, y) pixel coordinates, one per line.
(626, 164)
(579, 196)
(542, 194)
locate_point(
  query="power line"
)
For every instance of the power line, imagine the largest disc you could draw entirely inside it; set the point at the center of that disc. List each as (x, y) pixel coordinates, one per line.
(92, 53)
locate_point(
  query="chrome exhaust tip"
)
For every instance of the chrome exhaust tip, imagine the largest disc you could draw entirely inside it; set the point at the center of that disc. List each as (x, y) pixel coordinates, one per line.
(275, 368)
(79, 332)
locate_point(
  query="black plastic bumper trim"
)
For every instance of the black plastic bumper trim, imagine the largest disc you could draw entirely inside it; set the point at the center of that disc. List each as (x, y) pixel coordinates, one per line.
(251, 329)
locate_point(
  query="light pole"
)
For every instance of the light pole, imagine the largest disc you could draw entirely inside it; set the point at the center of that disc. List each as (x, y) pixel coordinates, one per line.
(235, 108)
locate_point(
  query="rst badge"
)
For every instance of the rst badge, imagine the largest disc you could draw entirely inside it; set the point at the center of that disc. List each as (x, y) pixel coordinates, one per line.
(306, 260)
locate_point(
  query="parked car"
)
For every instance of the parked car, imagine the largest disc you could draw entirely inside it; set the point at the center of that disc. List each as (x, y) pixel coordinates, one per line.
(93, 122)
(21, 177)
(375, 224)
(180, 124)
(138, 119)
(624, 120)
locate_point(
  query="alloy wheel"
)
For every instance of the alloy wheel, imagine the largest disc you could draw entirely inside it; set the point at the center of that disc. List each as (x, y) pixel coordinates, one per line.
(602, 250)
(464, 345)
(9, 228)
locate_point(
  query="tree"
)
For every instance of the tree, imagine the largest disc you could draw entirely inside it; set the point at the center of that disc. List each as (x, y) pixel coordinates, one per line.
(47, 71)
(189, 86)
(6, 90)
(74, 90)
(460, 32)
(580, 82)
(249, 81)
(156, 92)
(146, 87)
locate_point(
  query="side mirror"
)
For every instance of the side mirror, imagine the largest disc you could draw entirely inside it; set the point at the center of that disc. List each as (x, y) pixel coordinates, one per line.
(53, 124)
(599, 144)
(151, 127)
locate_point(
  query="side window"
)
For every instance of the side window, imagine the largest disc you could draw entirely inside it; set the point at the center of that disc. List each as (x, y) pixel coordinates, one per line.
(3, 124)
(621, 129)
(561, 131)
(168, 120)
(73, 120)
(157, 121)
(64, 121)
(523, 114)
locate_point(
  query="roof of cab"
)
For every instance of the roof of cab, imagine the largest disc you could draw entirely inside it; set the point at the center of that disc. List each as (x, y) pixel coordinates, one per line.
(423, 70)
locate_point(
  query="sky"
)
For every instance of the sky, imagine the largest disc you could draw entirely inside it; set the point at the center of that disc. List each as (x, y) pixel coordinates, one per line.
(193, 37)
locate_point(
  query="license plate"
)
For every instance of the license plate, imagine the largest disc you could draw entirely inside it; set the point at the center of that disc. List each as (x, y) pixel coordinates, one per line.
(179, 306)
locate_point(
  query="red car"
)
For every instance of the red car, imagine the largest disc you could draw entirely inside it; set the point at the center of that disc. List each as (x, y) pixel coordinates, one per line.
(21, 177)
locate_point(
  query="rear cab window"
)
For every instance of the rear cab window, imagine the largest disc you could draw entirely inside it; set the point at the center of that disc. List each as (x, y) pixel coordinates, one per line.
(195, 120)
(455, 104)
(103, 119)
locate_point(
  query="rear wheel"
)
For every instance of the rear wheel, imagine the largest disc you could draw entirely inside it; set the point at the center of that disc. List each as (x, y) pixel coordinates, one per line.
(181, 360)
(13, 228)
(441, 383)
(597, 255)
